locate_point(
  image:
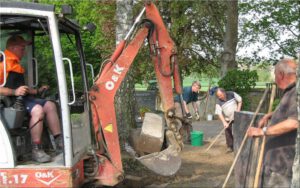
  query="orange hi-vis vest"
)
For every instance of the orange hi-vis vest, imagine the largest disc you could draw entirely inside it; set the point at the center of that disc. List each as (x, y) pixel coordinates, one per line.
(12, 65)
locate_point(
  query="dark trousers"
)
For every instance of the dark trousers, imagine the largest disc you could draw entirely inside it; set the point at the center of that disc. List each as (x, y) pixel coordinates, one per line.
(229, 136)
(276, 180)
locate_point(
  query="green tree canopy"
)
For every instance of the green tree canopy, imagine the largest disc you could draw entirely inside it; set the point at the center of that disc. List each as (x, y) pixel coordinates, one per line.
(272, 24)
(197, 28)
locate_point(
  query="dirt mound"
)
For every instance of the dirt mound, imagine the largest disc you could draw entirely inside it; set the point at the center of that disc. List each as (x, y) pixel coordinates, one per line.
(199, 169)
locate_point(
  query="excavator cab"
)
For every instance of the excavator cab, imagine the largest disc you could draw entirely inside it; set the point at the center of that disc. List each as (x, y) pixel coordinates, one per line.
(46, 62)
(85, 103)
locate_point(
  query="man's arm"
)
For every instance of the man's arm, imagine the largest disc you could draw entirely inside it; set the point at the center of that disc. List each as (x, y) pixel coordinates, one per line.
(20, 91)
(238, 99)
(185, 97)
(185, 107)
(195, 106)
(264, 120)
(278, 129)
(221, 117)
(38, 90)
(239, 106)
(7, 91)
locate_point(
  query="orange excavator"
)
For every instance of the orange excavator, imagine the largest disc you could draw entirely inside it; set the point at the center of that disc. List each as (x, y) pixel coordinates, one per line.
(90, 133)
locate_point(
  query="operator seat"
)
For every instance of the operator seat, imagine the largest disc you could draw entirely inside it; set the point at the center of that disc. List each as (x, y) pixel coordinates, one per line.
(11, 113)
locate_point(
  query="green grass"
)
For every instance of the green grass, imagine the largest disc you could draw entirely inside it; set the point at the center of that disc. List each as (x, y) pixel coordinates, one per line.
(204, 84)
(260, 85)
(140, 87)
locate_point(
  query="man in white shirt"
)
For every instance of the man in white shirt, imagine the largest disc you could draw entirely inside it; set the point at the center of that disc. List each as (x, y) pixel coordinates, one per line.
(227, 103)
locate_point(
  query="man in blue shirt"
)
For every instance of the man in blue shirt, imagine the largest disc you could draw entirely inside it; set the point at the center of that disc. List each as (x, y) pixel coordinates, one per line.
(189, 95)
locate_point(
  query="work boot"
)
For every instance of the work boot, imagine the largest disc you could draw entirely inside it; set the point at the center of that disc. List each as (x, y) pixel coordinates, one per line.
(59, 144)
(39, 154)
(229, 150)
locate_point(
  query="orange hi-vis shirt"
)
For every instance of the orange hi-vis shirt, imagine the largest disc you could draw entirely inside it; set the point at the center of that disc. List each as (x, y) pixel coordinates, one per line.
(12, 65)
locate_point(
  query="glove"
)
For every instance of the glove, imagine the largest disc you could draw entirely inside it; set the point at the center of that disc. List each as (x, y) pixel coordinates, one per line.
(197, 116)
(213, 90)
(188, 115)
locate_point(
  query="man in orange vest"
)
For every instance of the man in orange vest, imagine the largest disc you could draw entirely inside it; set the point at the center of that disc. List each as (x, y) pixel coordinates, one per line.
(38, 109)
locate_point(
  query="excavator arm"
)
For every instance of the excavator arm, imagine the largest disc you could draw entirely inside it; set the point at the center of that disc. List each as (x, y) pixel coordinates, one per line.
(103, 92)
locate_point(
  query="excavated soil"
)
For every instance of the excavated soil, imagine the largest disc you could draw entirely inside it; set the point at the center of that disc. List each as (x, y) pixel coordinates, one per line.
(199, 168)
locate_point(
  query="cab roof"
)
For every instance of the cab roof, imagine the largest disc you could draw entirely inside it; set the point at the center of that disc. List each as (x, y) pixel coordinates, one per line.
(25, 5)
(33, 23)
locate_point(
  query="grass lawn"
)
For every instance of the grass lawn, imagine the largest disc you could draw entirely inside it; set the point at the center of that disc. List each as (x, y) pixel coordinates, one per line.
(204, 84)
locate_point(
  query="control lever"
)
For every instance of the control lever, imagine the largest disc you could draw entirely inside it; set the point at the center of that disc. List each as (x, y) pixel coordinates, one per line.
(19, 105)
(44, 93)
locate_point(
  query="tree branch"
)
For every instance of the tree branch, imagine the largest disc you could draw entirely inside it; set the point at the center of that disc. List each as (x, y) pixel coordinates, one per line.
(278, 44)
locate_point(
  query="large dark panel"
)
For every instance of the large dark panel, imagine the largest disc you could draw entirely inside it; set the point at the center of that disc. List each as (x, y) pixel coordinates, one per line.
(247, 161)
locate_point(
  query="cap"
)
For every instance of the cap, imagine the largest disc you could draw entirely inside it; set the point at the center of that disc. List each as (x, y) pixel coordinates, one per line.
(17, 40)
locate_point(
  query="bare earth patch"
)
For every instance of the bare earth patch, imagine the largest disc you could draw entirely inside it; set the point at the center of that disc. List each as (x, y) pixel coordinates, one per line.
(199, 169)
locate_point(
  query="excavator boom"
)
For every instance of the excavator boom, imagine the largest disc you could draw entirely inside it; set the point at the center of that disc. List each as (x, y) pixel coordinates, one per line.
(102, 95)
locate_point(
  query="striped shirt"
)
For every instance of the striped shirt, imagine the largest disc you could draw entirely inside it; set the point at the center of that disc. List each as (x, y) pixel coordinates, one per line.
(229, 106)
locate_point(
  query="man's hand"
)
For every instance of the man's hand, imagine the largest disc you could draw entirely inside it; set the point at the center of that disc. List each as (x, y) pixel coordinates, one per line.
(21, 91)
(263, 121)
(253, 131)
(226, 125)
(43, 88)
(197, 116)
(188, 115)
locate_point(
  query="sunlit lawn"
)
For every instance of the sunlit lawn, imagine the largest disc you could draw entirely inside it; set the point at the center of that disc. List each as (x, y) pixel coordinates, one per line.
(204, 84)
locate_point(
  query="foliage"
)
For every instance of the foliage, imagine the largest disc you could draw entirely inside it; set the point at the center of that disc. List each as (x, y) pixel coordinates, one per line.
(241, 82)
(273, 24)
(144, 110)
(264, 68)
(264, 75)
(197, 29)
(208, 76)
(97, 46)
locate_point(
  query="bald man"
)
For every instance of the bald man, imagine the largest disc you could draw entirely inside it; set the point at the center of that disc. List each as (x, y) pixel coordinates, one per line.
(282, 132)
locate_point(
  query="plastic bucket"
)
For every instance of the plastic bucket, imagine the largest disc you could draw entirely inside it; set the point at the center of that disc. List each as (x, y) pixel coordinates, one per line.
(209, 117)
(197, 138)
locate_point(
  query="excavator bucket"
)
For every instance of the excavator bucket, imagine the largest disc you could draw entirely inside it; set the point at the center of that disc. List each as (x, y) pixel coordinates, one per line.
(148, 143)
(165, 163)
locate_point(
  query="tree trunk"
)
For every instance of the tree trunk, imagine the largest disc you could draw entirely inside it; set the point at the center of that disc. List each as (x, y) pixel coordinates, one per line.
(125, 99)
(296, 166)
(230, 39)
